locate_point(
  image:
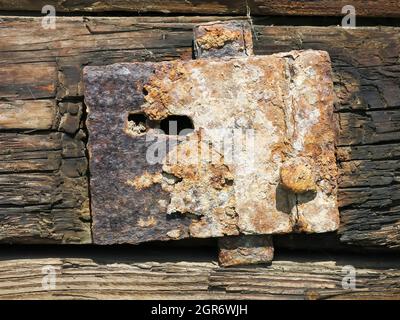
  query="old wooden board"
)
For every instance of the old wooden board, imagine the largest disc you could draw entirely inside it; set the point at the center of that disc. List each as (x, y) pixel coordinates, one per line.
(44, 195)
(370, 8)
(366, 69)
(161, 274)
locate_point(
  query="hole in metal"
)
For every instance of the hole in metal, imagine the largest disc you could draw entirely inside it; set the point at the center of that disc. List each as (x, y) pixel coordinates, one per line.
(137, 123)
(177, 125)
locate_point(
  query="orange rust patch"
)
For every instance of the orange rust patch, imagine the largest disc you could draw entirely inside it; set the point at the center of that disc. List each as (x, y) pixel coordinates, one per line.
(220, 176)
(49, 87)
(298, 176)
(157, 97)
(188, 171)
(145, 181)
(245, 250)
(145, 223)
(217, 36)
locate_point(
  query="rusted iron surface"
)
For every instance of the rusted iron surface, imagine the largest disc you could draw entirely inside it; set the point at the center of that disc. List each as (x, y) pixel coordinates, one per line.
(242, 250)
(122, 213)
(223, 39)
(272, 110)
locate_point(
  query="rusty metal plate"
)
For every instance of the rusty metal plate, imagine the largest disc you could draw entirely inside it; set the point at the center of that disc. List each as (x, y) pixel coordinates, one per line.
(260, 159)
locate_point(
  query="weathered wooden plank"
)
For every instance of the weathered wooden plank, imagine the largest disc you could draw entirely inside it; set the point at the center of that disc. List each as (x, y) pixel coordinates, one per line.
(369, 173)
(369, 152)
(44, 223)
(43, 189)
(372, 198)
(29, 114)
(26, 189)
(17, 146)
(378, 218)
(28, 81)
(165, 275)
(369, 127)
(370, 8)
(98, 41)
(367, 84)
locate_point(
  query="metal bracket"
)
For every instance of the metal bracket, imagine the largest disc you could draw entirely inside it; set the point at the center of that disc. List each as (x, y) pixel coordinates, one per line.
(256, 156)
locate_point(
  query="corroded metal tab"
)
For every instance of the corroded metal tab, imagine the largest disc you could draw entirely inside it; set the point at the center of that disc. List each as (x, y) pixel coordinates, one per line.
(211, 42)
(242, 250)
(223, 39)
(252, 118)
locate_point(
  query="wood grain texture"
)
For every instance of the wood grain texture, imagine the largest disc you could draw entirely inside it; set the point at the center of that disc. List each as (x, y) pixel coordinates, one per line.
(367, 84)
(44, 195)
(169, 275)
(28, 114)
(28, 81)
(364, 8)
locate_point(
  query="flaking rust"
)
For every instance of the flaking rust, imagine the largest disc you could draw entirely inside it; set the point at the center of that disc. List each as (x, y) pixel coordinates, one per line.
(259, 161)
(242, 250)
(223, 39)
(237, 42)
